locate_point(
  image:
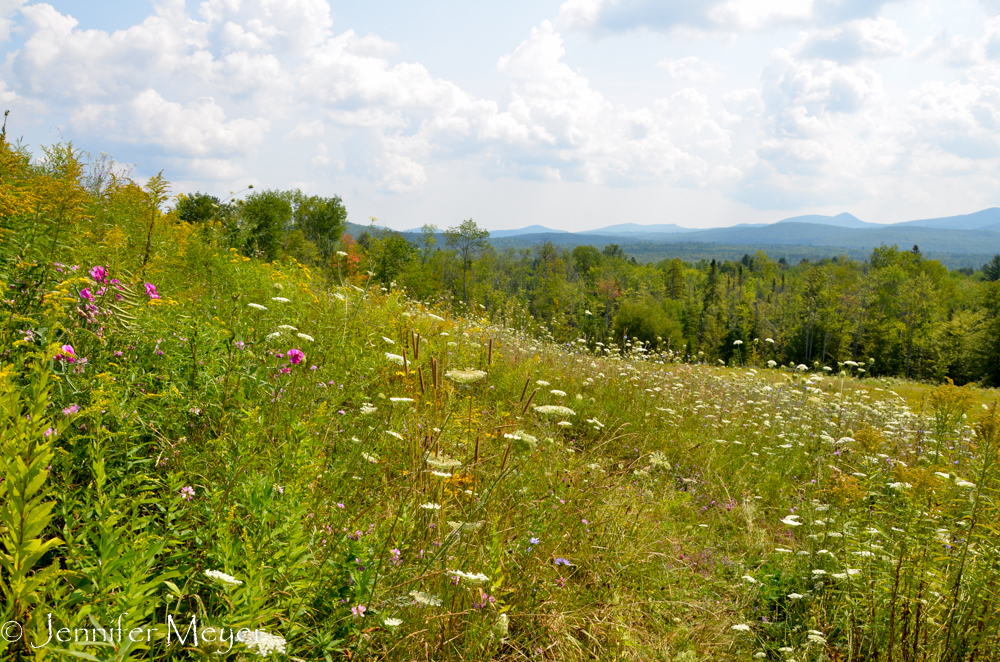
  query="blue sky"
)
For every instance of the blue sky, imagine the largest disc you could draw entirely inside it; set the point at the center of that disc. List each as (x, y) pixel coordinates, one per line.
(573, 114)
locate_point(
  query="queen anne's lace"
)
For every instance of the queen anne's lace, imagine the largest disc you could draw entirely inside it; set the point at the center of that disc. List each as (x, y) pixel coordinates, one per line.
(262, 643)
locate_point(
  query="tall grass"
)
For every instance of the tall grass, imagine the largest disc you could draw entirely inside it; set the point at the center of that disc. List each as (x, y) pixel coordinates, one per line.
(356, 490)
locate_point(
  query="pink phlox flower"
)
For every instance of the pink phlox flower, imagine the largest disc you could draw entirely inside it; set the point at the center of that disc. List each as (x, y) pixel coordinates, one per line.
(359, 611)
(99, 273)
(151, 291)
(187, 492)
(72, 409)
(85, 294)
(296, 356)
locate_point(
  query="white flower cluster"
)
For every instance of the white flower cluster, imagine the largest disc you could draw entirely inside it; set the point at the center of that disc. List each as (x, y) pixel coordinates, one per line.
(421, 598)
(441, 461)
(474, 579)
(262, 643)
(223, 578)
(554, 409)
(467, 376)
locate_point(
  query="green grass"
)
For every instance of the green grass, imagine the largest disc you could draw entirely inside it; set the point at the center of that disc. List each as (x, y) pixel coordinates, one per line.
(680, 500)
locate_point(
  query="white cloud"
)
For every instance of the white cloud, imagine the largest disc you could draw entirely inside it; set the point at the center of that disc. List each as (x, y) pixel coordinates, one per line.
(610, 16)
(208, 92)
(691, 70)
(305, 130)
(8, 9)
(867, 38)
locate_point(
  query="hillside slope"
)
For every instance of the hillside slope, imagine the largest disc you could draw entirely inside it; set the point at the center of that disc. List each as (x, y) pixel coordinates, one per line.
(327, 470)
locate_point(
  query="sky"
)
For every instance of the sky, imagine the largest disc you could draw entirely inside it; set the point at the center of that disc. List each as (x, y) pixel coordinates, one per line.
(573, 114)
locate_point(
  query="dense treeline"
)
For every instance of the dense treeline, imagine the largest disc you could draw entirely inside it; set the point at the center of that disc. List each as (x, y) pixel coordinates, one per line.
(910, 314)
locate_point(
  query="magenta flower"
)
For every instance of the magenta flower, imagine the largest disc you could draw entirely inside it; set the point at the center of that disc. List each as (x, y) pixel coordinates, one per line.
(99, 274)
(85, 294)
(72, 409)
(187, 492)
(296, 356)
(151, 291)
(66, 354)
(359, 611)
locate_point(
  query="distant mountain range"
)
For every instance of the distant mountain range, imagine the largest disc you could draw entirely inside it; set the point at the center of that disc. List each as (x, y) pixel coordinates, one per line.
(987, 219)
(968, 240)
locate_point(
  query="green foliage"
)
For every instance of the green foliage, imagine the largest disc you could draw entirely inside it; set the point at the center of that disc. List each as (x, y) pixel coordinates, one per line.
(262, 218)
(353, 473)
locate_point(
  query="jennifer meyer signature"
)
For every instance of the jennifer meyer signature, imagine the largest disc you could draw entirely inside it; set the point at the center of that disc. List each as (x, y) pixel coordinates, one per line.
(12, 632)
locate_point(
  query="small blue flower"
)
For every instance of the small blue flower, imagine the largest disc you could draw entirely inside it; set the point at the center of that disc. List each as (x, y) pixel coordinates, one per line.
(562, 561)
(534, 541)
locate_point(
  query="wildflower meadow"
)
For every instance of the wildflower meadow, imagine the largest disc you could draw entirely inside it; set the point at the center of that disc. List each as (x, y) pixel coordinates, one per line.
(210, 456)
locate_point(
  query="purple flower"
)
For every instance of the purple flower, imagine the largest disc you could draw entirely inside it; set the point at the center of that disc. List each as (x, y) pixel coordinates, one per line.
(99, 273)
(359, 611)
(49, 433)
(151, 291)
(85, 294)
(72, 409)
(397, 557)
(562, 561)
(295, 356)
(534, 541)
(187, 492)
(66, 354)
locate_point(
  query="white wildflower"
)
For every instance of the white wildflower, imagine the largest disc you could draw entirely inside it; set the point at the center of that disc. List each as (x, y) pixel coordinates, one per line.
(262, 643)
(223, 578)
(389, 340)
(400, 399)
(256, 306)
(442, 461)
(394, 434)
(750, 579)
(791, 520)
(558, 393)
(554, 409)
(368, 408)
(419, 597)
(305, 337)
(395, 358)
(430, 506)
(467, 376)
(474, 579)
(274, 336)
(392, 622)
(501, 627)
(741, 627)
(280, 299)
(564, 424)
(795, 596)
(542, 382)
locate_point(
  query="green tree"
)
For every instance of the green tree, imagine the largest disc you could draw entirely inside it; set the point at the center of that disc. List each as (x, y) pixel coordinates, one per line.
(320, 219)
(467, 239)
(428, 240)
(991, 270)
(263, 218)
(198, 208)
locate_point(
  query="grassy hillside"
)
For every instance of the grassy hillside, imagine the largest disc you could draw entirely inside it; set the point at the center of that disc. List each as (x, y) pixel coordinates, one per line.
(200, 446)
